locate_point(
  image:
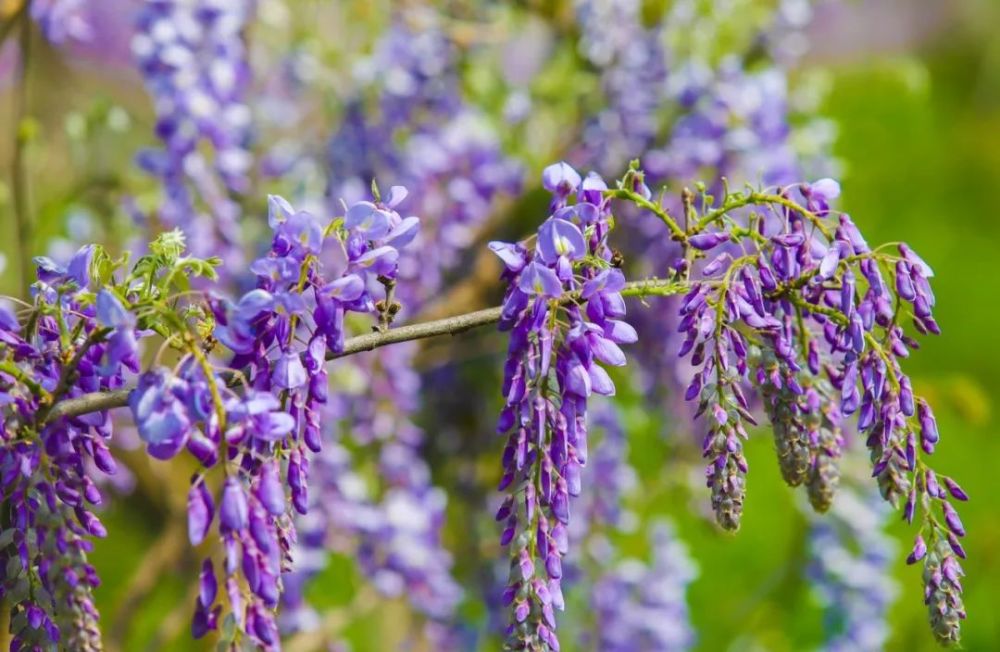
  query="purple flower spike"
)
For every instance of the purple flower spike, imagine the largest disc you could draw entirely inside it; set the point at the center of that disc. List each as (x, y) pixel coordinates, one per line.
(547, 428)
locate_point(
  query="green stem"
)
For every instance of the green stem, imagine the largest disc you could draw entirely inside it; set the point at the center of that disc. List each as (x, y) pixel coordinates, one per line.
(654, 208)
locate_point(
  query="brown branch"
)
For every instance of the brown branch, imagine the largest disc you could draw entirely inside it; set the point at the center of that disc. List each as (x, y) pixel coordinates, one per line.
(97, 401)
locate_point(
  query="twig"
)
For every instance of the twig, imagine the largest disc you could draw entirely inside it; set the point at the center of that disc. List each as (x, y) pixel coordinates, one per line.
(67, 377)
(97, 401)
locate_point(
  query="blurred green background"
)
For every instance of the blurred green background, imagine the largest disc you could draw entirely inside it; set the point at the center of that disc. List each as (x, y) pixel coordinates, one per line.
(919, 141)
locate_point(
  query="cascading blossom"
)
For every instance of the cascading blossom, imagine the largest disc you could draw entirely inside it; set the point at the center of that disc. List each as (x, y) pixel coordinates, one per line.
(642, 606)
(633, 67)
(787, 314)
(554, 363)
(793, 301)
(194, 61)
(849, 559)
(262, 425)
(634, 603)
(62, 20)
(75, 341)
(421, 130)
(802, 311)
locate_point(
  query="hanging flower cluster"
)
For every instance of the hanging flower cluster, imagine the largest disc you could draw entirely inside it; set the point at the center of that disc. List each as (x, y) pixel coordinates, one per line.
(421, 130)
(634, 602)
(805, 300)
(782, 294)
(773, 307)
(261, 422)
(639, 604)
(72, 339)
(555, 361)
(193, 58)
(254, 418)
(848, 559)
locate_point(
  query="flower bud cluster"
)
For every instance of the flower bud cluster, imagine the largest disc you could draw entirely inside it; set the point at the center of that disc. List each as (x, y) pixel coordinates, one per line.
(72, 339)
(193, 58)
(563, 309)
(259, 416)
(805, 302)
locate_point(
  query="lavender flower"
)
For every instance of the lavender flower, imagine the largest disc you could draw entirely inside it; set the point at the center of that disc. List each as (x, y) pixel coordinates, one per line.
(50, 468)
(194, 62)
(850, 568)
(551, 371)
(633, 68)
(393, 528)
(790, 304)
(643, 607)
(424, 133)
(264, 429)
(636, 605)
(62, 20)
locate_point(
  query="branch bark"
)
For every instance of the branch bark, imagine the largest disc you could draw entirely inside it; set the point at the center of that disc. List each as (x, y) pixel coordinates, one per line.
(97, 401)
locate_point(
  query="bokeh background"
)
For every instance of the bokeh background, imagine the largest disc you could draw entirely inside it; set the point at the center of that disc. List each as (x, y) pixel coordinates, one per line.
(913, 87)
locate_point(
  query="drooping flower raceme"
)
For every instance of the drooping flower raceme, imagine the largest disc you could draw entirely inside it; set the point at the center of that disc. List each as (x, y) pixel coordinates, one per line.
(805, 302)
(563, 309)
(261, 424)
(62, 20)
(193, 58)
(642, 606)
(849, 556)
(421, 130)
(635, 604)
(74, 339)
(801, 309)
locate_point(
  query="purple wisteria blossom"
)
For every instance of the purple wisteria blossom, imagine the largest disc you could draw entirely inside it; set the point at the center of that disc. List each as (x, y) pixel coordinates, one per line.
(555, 361)
(50, 468)
(62, 20)
(635, 605)
(633, 76)
(193, 59)
(807, 307)
(418, 129)
(423, 132)
(850, 556)
(643, 606)
(263, 426)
